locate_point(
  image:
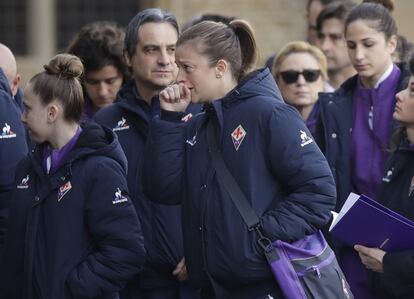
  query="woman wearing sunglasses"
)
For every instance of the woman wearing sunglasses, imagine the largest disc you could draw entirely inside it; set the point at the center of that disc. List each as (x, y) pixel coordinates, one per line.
(356, 120)
(300, 71)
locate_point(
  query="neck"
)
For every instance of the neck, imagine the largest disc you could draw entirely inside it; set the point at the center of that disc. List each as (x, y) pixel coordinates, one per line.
(63, 134)
(305, 111)
(337, 77)
(227, 84)
(371, 82)
(145, 92)
(410, 134)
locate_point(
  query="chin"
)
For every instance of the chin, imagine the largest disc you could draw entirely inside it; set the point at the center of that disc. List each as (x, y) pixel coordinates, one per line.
(163, 82)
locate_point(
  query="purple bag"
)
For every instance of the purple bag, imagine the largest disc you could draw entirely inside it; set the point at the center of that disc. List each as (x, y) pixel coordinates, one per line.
(306, 268)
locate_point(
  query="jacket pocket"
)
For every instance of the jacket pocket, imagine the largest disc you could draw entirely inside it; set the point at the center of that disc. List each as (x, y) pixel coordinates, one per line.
(325, 282)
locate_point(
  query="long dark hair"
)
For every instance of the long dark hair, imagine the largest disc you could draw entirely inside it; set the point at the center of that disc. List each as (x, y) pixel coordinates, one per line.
(400, 133)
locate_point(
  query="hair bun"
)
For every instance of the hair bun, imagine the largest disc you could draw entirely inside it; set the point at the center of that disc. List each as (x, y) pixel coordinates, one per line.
(65, 66)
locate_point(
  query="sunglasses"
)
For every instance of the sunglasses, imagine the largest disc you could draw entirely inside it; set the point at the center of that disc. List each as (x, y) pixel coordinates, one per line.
(291, 76)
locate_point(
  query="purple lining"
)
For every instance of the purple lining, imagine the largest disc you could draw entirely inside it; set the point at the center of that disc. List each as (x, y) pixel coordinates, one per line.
(57, 156)
(315, 244)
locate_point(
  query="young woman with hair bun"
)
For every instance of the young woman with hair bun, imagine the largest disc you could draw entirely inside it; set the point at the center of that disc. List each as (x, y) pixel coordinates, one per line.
(265, 145)
(73, 231)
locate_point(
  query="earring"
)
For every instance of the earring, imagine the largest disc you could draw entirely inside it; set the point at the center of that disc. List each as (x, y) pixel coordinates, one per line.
(218, 76)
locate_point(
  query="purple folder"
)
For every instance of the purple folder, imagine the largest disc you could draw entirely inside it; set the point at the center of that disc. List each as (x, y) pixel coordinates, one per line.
(364, 221)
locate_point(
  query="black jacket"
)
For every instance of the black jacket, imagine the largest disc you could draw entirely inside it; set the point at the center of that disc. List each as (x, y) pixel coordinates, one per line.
(269, 151)
(74, 233)
(397, 193)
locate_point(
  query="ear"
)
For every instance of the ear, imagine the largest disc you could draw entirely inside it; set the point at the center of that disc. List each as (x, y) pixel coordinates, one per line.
(53, 112)
(127, 59)
(15, 84)
(392, 43)
(222, 67)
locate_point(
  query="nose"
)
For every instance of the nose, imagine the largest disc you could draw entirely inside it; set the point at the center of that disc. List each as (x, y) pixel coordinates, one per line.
(400, 96)
(325, 45)
(181, 76)
(103, 89)
(359, 53)
(301, 80)
(164, 58)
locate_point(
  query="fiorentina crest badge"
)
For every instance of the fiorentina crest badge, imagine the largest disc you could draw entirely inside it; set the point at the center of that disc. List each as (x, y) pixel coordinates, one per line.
(63, 190)
(411, 189)
(237, 136)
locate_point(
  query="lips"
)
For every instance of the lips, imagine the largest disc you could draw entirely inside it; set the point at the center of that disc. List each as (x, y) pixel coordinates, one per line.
(162, 71)
(361, 67)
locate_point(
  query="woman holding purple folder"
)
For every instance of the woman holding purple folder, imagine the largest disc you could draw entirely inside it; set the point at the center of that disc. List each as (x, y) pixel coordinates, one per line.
(393, 272)
(356, 121)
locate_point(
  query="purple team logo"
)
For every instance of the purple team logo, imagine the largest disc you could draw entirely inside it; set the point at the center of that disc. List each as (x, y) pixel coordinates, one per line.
(238, 136)
(63, 190)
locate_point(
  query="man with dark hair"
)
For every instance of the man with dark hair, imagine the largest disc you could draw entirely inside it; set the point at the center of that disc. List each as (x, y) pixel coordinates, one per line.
(313, 8)
(330, 27)
(149, 49)
(100, 47)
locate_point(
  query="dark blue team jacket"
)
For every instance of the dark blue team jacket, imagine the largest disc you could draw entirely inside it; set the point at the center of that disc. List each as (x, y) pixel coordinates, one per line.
(273, 158)
(129, 118)
(13, 148)
(73, 233)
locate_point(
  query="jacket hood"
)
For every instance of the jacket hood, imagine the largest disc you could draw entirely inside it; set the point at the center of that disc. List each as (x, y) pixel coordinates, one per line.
(257, 83)
(94, 140)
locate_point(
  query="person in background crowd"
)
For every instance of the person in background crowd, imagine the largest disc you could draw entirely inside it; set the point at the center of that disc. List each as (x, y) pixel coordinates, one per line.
(330, 27)
(300, 71)
(313, 9)
(73, 231)
(388, 4)
(13, 145)
(150, 48)
(100, 47)
(259, 136)
(356, 120)
(404, 51)
(208, 17)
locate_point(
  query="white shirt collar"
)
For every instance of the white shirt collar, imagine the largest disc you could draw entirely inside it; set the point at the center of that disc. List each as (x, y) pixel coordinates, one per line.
(385, 75)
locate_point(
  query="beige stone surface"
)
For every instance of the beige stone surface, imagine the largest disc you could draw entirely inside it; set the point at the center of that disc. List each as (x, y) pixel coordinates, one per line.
(276, 22)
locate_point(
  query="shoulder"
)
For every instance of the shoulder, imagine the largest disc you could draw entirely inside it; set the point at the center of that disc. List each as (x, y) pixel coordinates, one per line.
(97, 167)
(109, 112)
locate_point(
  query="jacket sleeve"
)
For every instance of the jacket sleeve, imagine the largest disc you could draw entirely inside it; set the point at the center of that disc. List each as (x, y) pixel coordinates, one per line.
(165, 159)
(13, 148)
(303, 171)
(399, 266)
(114, 226)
